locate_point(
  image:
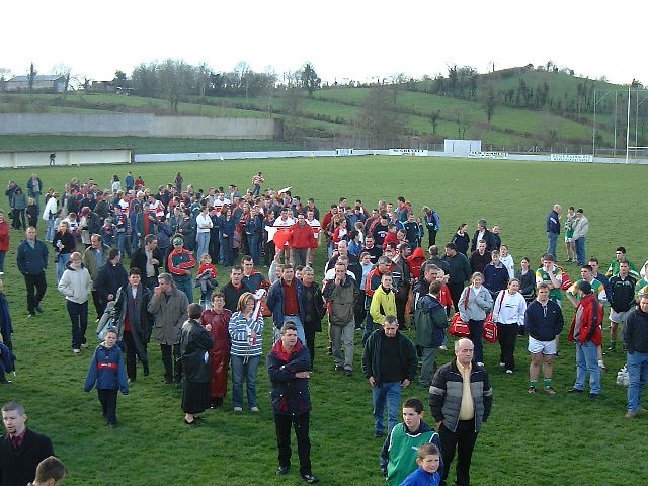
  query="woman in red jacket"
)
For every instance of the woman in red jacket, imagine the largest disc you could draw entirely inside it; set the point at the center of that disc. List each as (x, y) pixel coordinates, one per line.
(216, 321)
(4, 241)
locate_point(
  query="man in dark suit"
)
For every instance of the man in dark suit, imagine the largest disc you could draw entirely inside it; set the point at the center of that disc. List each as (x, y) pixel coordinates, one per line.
(483, 233)
(21, 449)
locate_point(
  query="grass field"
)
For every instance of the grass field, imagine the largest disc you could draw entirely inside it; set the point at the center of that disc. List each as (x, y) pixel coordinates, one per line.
(529, 440)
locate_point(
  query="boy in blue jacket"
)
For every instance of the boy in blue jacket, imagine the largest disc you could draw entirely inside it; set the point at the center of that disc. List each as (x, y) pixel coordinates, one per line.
(107, 373)
(427, 458)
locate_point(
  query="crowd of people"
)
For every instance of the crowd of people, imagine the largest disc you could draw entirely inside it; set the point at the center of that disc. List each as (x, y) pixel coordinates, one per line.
(378, 280)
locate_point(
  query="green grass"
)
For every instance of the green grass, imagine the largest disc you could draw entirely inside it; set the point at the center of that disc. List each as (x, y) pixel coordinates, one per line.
(566, 440)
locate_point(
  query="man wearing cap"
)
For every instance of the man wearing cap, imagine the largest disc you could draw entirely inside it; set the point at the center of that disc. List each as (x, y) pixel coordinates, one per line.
(585, 331)
(180, 262)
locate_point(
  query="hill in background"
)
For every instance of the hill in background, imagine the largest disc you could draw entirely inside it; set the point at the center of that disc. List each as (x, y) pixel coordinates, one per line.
(519, 109)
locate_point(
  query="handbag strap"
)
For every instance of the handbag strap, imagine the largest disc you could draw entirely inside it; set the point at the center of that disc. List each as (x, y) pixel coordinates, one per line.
(467, 298)
(501, 300)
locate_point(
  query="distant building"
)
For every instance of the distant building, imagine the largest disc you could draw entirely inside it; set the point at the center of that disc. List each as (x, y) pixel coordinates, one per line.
(46, 83)
(102, 87)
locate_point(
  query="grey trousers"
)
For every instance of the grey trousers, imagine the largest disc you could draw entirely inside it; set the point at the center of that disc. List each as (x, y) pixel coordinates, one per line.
(343, 336)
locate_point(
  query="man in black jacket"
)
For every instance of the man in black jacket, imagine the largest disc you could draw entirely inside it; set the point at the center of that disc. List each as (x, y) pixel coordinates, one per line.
(389, 362)
(31, 258)
(148, 259)
(459, 272)
(21, 449)
(460, 401)
(635, 336)
(288, 364)
(543, 320)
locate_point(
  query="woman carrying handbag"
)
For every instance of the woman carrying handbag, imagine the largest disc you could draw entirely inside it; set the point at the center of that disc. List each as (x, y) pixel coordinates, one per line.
(474, 304)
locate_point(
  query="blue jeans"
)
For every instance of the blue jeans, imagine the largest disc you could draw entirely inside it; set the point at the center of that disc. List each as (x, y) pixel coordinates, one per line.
(51, 229)
(300, 329)
(579, 246)
(3, 253)
(638, 373)
(253, 245)
(551, 246)
(120, 238)
(389, 393)
(227, 254)
(202, 243)
(586, 362)
(244, 369)
(62, 259)
(186, 287)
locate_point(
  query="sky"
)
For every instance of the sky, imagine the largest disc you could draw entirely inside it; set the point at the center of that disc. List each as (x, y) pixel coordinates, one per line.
(344, 40)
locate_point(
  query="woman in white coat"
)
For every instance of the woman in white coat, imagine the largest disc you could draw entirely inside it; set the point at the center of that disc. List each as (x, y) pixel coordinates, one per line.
(76, 285)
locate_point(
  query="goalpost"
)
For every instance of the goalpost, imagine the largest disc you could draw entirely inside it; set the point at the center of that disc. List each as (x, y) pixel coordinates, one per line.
(640, 95)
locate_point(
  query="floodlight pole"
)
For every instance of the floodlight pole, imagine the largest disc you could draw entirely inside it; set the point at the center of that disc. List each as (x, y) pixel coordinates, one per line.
(628, 130)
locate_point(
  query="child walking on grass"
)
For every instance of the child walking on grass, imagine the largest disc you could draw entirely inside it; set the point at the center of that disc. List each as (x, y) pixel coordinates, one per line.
(107, 373)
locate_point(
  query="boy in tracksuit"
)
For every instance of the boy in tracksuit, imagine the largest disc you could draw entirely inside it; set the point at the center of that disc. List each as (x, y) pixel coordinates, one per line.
(108, 374)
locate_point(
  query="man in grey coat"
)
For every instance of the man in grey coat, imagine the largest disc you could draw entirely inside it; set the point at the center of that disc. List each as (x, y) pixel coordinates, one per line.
(169, 307)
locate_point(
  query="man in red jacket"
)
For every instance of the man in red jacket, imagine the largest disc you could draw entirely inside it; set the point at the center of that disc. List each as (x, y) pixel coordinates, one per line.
(586, 333)
(301, 239)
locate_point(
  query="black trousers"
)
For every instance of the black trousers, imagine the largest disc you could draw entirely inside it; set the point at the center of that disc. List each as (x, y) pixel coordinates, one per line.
(462, 442)
(96, 300)
(131, 356)
(283, 424)
(309, 332)
(108, 400)
(172, 365)
(455, 288)
(506, 335)
(431, 237)
(38, 283)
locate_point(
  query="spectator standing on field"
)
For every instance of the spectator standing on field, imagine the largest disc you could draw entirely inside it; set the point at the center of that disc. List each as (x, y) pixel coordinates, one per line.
(543, 320)
(552, 225)
(581, 227)
(635, 336)
(460, 401)
(31, 258)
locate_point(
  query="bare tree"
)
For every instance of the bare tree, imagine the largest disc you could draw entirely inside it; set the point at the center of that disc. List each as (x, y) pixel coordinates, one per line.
(144, 79)
(378, 115)
(65, 71)
(463, 123)
(176, 79)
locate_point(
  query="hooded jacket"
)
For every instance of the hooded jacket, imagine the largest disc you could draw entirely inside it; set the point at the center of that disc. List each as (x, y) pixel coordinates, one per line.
(590, 313)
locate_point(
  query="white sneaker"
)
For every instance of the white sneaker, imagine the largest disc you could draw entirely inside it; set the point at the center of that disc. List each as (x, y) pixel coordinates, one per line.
(85, 345)
(501, 364)
(254, 409)
(238, 409)
(479, 363)
(76, 350)
(509, 372)
(443, 347)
